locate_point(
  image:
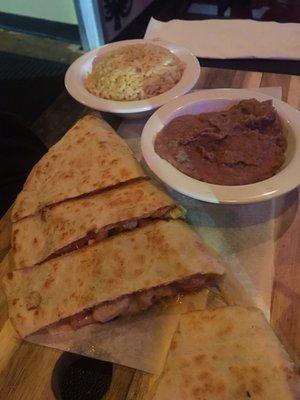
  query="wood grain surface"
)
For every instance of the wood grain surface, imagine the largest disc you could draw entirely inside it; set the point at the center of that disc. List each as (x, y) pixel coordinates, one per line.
(26, 369)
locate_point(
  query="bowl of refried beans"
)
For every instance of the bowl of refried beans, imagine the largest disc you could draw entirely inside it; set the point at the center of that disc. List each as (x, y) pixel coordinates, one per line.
(225, 146)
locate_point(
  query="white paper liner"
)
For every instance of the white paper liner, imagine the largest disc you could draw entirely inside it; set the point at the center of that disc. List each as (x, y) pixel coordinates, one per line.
(244, 238)
(243, 235)
(141, 342)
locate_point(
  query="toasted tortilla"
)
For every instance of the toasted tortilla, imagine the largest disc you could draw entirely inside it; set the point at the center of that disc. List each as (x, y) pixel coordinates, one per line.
(73, 224)
(90, 157)
(153, 255)
(229, 353)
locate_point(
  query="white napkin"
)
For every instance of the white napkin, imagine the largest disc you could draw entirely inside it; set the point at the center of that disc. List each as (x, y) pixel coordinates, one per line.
(230, 38)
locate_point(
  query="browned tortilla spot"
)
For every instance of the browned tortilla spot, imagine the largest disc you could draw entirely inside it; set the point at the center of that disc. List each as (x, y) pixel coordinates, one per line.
(199, 358)
(10, 275)
(33, 300)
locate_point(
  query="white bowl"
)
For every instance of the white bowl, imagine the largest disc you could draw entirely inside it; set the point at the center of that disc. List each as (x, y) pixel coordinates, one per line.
(286, 179)
(75, 75)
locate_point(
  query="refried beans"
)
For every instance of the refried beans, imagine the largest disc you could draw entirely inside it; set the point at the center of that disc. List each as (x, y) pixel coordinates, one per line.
(238, 146)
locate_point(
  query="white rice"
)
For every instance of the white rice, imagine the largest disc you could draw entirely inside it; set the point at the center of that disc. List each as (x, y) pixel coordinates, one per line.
(135, 72)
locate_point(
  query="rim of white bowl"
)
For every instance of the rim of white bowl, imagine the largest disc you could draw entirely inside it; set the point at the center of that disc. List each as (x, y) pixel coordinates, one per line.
(77, 71)
(282, 182)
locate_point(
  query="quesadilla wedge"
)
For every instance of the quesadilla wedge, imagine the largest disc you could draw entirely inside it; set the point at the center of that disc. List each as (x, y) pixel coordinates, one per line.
(90, 157)
(121, 275)
(229, 353)
(70, 225)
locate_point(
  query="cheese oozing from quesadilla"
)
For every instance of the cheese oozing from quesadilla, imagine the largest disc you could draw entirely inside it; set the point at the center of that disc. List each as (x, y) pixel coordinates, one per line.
(121, 275)
(70, 225)
(90, 157)
(229, 353)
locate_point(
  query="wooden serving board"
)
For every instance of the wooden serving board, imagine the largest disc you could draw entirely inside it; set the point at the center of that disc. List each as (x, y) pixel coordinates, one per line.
(26, 369)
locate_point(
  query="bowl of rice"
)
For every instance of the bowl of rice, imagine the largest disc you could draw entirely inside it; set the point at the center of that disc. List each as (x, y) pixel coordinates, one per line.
(132, 77)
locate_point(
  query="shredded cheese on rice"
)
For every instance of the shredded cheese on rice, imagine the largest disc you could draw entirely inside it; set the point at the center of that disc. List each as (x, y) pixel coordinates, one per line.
(134, 72)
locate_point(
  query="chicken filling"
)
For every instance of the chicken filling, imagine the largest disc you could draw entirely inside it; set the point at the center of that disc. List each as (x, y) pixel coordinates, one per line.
(130, 304)
(168, 212)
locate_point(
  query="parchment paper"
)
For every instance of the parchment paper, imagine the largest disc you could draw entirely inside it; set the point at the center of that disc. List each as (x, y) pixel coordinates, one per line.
(242, 234)
(141, 342)
(244, 237)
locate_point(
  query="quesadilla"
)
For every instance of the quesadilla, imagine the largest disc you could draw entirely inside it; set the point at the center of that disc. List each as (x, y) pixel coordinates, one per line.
(70, 225)
(229, 353)
(121, 275)
(90, 157)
